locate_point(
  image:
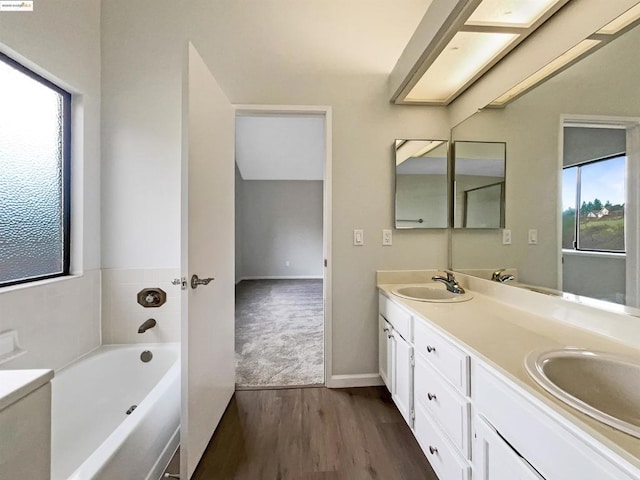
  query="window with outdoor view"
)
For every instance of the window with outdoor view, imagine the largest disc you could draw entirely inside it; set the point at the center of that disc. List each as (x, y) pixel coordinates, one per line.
(34, 175)
(593, 205)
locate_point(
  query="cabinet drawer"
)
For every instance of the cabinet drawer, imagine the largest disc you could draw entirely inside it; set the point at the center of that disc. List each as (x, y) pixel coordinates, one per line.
(396, 316)
(448, 359)
(443, 457)
(450, 409)
(553, 450)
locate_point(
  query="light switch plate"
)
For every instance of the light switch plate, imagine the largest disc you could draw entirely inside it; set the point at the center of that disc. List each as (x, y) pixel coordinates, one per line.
(506, 237)
(387, 237)
(358, 237)
(533, 237)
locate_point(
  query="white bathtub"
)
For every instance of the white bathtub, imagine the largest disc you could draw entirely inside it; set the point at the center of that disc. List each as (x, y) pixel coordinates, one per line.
(92, 435)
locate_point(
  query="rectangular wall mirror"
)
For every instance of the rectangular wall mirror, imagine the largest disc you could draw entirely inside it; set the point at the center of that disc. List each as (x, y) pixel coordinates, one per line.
(421, 184)
(479, 184)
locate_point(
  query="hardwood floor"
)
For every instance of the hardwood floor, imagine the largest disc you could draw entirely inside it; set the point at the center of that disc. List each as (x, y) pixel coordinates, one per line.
(313, 434)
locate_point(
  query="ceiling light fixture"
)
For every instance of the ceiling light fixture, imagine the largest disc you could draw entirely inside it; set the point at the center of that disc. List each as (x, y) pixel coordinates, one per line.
(623, 21)
(475, 41)
(406, 149)
(561, 62)
(599, 39)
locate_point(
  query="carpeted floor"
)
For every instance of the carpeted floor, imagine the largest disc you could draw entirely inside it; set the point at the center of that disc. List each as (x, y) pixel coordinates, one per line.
(279, 333)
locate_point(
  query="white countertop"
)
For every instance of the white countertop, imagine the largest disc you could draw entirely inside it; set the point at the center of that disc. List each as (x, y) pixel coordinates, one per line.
(503, 333)
(15, 384)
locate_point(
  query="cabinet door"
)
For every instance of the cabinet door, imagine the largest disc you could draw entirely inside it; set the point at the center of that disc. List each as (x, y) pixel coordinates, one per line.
(495, 459)
(403, 375)
(384, 330)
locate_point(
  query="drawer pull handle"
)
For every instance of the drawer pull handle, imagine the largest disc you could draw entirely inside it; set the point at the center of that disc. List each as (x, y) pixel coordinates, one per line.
(431, 349)
(385, 329)
(431, 396)
(389, 335)
(433, 450)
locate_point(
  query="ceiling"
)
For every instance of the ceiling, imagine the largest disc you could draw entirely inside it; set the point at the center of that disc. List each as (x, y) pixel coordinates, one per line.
(280, 147)
(299, 47)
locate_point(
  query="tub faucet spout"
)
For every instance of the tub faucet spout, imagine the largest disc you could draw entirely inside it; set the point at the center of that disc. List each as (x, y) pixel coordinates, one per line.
(147, 325)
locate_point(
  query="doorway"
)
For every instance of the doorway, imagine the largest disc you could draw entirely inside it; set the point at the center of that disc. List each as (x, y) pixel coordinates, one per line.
(282, 250)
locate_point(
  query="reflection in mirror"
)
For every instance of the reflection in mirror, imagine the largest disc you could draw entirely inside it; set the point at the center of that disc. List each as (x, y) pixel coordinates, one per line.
(421, 183)
(541, 128)
(479, 181)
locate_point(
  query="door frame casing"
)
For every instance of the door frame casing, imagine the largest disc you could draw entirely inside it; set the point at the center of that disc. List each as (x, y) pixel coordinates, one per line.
(326, 112)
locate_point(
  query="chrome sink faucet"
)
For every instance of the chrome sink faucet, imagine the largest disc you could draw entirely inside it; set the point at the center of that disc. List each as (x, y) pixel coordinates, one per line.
(147, 325)
(450, 282)
(499, 277)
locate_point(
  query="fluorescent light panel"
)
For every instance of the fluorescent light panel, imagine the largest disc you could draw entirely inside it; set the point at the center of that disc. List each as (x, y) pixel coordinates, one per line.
(464, 57)
(555, 65)
(624, 20)
(415, 148)
(509, 13)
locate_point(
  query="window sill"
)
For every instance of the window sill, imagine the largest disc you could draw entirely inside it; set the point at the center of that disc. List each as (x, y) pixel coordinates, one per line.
(40, 283)
(583, 253)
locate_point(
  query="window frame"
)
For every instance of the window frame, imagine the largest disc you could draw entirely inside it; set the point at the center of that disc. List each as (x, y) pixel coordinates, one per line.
(578, 205)
(66, 172)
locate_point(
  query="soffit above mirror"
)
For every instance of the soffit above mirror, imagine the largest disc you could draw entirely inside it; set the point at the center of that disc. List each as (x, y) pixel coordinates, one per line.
(464, 53)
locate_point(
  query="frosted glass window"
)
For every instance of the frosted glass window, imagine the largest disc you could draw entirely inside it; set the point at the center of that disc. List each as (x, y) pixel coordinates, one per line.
(34, 176)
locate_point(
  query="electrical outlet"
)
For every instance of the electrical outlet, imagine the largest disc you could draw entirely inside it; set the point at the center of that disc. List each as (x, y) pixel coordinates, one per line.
(358, 237)
(506, 237)
(533, 237)
(387, 237)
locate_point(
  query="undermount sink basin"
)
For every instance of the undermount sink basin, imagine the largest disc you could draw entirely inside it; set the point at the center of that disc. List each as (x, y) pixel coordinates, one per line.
(425, 293)
(602, 385)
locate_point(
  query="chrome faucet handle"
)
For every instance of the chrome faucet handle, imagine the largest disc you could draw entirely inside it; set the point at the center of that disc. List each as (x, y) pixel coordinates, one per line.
(499, 277)
(448, 276)
(496, 275)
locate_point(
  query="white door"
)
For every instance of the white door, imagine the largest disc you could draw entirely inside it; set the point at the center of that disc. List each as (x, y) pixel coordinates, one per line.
(208, 365)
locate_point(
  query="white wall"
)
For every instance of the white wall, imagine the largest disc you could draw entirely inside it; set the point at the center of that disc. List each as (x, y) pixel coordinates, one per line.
(57, 321)
(421, 196)
(249, 48)
(281, 222)
(141, 148)
(604, 84)
(122, 314)
(593, 275)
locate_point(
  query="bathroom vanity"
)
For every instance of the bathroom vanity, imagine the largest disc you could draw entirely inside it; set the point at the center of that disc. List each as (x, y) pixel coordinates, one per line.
(456, 371)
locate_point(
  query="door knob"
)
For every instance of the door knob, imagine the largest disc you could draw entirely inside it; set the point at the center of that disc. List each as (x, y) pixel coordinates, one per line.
(195, 281)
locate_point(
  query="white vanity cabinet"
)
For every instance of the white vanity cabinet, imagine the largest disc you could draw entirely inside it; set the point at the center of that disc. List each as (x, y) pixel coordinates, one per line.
(385, 351)
(442, 406)
(403, 373)
(395, 356)
(472, 418)
(428, 383)
(555, 449)
(495, 459)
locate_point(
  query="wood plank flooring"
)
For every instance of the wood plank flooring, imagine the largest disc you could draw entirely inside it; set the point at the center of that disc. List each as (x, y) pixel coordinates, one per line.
(313, 434)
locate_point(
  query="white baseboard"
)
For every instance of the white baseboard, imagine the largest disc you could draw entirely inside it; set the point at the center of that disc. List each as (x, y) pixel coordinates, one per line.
(360, 380)
(281, 277)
